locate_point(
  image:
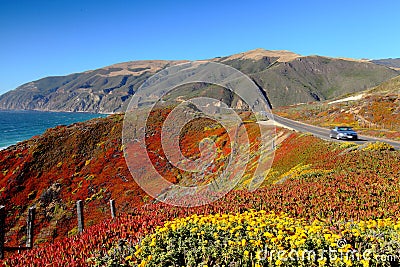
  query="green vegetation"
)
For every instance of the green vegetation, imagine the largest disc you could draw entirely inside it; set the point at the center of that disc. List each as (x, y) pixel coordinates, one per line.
(284, 77)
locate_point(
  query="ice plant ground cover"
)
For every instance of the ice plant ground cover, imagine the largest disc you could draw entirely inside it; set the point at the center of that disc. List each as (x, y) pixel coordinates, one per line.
(310, 180)
(359, 186)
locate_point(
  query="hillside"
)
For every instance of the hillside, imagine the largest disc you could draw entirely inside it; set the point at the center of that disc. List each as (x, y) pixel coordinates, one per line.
(374, 112)
(310, 180)
(389, 62)
(390, 87)
(84, 161)
(285, 77)
(67, 163)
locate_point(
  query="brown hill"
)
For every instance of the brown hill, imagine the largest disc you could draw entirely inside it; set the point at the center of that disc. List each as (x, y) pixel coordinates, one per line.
(284, 77)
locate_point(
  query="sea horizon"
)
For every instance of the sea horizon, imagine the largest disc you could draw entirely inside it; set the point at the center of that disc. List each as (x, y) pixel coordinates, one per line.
(20, 125)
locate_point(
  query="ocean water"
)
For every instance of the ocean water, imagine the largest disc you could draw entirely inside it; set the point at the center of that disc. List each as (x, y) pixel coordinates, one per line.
(16, 126)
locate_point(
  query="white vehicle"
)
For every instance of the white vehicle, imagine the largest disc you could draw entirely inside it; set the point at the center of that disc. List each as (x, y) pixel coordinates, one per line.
(343, 132)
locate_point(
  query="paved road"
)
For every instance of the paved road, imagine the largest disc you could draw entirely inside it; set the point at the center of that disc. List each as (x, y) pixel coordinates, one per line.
(324, 133)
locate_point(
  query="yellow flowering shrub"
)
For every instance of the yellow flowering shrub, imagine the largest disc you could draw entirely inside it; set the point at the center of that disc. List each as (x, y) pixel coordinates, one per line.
(347, 144)
(378, 146)
(304, 171)
(259, 238)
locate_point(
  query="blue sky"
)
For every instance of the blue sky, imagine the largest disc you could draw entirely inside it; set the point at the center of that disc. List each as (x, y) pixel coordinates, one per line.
(46, 38)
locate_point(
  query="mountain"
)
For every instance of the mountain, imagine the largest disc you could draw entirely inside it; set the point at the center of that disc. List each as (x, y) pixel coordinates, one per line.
(103, 90)
(284, 77)
(389, 62)
(288, 78)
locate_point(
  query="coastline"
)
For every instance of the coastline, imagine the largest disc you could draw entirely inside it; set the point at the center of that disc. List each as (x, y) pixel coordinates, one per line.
(61, 111)
(19, 125)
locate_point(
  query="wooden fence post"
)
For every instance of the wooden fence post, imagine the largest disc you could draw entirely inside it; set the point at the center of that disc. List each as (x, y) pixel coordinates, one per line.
(79, 209)
(30, 227)
(112, 207)
(2, 230)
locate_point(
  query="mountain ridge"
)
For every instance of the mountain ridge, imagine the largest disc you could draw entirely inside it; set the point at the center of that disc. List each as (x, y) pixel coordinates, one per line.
(284, 77)
(388, 62)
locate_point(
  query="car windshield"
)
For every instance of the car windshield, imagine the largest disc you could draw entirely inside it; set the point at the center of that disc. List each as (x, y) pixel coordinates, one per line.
(345, 129)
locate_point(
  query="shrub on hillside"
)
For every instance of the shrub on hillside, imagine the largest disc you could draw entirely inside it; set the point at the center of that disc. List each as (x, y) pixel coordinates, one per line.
(378, 146)
(265, 239)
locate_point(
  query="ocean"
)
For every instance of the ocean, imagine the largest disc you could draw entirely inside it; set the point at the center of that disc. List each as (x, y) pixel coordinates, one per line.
(16, 126)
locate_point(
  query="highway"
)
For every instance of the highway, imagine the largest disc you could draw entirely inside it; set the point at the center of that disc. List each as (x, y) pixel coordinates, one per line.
(324, 133)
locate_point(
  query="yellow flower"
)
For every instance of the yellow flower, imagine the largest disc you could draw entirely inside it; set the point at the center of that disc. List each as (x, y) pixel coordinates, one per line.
(248, 230)
(300, 242)
(355, 232)
(321, 262)
(137, 252)
(347, 261)
(128, 258)
(365, 263)
(257, 243)
(268, 235)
